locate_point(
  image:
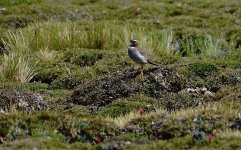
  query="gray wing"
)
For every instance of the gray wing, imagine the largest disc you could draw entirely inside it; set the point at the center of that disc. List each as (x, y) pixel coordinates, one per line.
(143, 53)
(147, 56)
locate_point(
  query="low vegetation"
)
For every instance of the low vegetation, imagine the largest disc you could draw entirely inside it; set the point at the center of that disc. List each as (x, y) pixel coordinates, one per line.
(67, 80)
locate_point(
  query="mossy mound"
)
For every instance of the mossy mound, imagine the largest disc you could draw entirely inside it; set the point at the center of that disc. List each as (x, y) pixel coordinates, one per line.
(17, 99)
(123, 107)
(202, 69)
(159, 83)
(83, 57)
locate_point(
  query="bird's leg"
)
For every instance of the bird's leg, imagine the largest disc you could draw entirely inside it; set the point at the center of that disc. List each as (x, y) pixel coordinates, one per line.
(142, 75)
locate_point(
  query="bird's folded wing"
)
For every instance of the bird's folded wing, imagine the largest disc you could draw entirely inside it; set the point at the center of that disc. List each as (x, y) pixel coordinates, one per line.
(143, 53)
(147, 56)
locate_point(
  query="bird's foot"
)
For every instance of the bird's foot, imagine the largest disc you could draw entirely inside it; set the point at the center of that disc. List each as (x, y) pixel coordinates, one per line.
(140, 76)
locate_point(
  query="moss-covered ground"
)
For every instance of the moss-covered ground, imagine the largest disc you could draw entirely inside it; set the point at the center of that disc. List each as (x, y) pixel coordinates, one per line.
(67, 81)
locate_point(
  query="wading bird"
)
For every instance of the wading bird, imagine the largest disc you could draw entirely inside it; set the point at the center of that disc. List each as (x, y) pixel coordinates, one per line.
(138, 56)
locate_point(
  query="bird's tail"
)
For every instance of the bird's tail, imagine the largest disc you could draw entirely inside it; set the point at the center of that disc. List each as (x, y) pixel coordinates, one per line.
(150, 62)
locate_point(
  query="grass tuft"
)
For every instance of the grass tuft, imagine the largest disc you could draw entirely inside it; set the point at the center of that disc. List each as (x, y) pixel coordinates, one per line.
(46, 55)
(16, 68)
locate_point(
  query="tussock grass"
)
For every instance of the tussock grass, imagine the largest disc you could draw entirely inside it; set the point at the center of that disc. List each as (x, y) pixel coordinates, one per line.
(206, 45)
(45, 55)
(16, 68)
(103, 35)
(47, 40)
(38, 36)
(16, 42)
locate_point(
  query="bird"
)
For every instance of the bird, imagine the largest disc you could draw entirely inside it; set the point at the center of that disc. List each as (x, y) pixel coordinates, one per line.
(139, 56)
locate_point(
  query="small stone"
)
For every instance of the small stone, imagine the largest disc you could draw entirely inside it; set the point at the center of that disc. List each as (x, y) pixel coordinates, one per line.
(204, 89)
(198, 119)
(198, 136)
(157, 22)
(128, 143)
(236, 124)
(3, 10)
(190, 90)
(208, 94)
(22, 104)
(2, 111)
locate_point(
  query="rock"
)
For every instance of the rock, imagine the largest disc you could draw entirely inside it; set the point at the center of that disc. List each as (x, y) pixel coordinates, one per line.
(114, 145)
(208, 94)
(198, 136)
(157, 22)
(236, 124)
(3, 10)
(137, 129)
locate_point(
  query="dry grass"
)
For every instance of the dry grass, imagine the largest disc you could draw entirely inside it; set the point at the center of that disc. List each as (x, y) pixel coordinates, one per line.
(104, 35)
(123, 120)
(16, 42)
(16, 68)
(215, 108)
(228, 133)
(46, 55)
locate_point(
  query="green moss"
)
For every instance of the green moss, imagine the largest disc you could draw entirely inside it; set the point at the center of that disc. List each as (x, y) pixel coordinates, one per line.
(202, 69)
(79, 111)
(229, 93)
(169, 59)
(47, 75)
(48, 72)
(36, 86)
(122, 107)
(184, 72)
(231, 59)
(67, 81)
(83, 57)
(19, 2)
(15, 21)
(56, 97)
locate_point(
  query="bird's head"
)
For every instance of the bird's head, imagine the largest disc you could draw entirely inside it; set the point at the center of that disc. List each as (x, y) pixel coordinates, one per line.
(133, 43)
